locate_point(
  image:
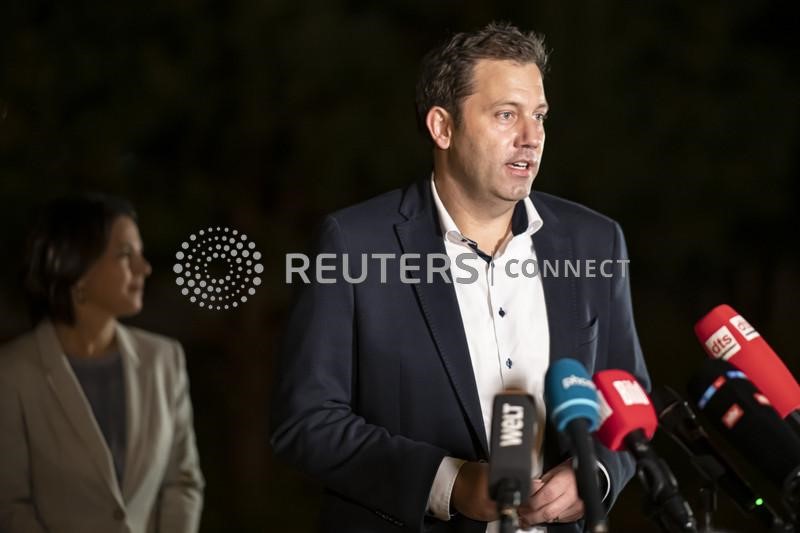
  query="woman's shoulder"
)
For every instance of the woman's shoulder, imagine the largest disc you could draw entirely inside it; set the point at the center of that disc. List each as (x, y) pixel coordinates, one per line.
(146, 338)
(150, 347)
(19, 354)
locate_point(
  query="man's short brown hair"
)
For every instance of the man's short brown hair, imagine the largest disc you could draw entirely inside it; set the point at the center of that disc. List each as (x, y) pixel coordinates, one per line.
(446, 73)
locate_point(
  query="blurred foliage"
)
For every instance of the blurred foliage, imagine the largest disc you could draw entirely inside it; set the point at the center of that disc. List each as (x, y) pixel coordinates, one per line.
(679, 119)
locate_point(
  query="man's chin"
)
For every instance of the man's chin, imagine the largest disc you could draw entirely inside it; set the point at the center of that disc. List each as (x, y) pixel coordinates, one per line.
(519, 192)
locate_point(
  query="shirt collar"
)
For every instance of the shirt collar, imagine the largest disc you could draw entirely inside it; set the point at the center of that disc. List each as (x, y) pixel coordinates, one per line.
(525, 220)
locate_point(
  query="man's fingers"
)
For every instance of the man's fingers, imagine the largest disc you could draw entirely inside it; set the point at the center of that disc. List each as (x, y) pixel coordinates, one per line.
(545, 513)
(562, 509)
(555, 498)
(544, 499)
(558, 484)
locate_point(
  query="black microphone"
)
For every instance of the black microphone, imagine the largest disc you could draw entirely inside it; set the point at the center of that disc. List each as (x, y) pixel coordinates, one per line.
(629, 422)
(726, 335)
(571, 399)
(744, 416)
(679, 421)
(513, 429)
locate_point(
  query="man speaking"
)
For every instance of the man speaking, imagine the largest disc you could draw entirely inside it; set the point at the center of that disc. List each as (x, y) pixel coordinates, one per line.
(385, 387)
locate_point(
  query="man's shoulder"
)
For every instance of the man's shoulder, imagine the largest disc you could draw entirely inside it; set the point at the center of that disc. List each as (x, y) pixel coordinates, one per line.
(368, 224)
(569, 212)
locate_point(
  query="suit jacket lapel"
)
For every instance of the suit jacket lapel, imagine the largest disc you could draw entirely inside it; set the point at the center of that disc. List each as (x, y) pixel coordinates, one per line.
(421, 234)
(135, 458)
(554, 246)
(76, 407)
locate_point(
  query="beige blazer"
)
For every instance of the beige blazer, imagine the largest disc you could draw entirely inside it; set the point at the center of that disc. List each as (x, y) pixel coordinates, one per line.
(56, 471)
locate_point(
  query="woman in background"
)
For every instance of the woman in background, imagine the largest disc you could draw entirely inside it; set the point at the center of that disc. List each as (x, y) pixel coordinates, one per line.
(95, 417)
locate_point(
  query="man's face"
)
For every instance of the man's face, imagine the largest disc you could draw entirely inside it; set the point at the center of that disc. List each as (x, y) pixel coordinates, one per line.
(497, 147)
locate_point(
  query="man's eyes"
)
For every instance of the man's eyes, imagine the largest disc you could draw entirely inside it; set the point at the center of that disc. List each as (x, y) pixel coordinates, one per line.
(510, 115)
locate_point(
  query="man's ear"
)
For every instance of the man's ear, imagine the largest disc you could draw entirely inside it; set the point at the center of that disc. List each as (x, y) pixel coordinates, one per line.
(440, 126)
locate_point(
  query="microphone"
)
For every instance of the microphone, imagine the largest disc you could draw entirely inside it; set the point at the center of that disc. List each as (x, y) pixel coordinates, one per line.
(628, 423)
(679, 421)
(744, 416)
(571, 400)
(726, 335)
(513, 427)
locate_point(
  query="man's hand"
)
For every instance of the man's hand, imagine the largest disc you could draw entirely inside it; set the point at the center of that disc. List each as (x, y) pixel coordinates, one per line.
(554, 499)
(470, 495)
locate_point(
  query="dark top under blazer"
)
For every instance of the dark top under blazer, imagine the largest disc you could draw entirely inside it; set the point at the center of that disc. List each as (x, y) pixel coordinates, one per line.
(375, 383)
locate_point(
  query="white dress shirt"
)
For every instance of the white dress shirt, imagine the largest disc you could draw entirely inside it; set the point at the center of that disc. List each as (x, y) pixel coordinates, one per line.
(505, 322)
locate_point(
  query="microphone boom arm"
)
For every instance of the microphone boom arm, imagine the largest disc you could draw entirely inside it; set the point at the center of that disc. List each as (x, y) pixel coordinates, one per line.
(665, 504)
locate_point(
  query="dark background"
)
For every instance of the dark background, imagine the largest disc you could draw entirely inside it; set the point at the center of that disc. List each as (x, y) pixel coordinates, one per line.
(679, 119)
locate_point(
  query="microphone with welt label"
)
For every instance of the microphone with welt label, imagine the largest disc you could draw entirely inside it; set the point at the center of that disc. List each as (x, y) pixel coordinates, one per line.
(726, 335)
(679, 421)
(744, 416)
(628, 422)
(513, 430)
(571, 400)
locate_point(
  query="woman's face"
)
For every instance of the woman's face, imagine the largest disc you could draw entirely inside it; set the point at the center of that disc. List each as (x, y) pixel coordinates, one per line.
(114, 284)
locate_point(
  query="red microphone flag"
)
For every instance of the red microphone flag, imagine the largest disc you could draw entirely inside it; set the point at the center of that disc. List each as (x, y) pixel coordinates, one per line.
(726, 335)
(624, 407)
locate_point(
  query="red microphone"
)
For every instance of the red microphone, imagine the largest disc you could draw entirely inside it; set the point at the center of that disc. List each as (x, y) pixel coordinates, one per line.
(628, 422)
(624, 408)
(726, 335)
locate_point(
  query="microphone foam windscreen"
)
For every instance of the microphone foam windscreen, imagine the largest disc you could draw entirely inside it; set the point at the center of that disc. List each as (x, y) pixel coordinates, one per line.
(727, 336)
(570, 394)
(738, 410)
(512, 440)
(624, 407)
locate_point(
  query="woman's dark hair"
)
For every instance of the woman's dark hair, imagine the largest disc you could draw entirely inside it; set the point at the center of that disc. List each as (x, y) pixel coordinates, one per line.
(71, 234)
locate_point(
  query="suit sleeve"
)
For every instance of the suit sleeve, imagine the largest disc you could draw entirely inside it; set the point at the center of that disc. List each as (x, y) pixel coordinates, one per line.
(17, 509)
(624, 353)
(181, 496)
(314, 424)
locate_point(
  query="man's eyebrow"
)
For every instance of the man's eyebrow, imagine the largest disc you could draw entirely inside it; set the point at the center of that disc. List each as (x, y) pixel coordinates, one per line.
(542, 106)
(500, 103)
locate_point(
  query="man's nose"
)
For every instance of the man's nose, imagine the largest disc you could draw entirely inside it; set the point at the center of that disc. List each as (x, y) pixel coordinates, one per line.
(531, 133)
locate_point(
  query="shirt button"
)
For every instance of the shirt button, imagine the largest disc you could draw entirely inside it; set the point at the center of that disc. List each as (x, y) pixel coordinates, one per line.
(501, 312)
(119, 514)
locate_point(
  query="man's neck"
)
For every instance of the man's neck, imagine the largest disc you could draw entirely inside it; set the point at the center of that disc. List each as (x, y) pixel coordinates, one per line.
(488, 225)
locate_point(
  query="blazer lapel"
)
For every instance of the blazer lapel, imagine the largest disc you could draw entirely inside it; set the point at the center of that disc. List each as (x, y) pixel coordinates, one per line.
(554, 246)
(76, 407)
(421, 234)
(134, 466)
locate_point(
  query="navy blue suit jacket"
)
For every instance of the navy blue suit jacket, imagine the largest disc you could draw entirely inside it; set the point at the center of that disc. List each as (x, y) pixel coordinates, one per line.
(375, 385)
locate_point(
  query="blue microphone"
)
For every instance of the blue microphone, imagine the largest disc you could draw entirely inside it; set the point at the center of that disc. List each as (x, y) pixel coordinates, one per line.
(571, 399)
